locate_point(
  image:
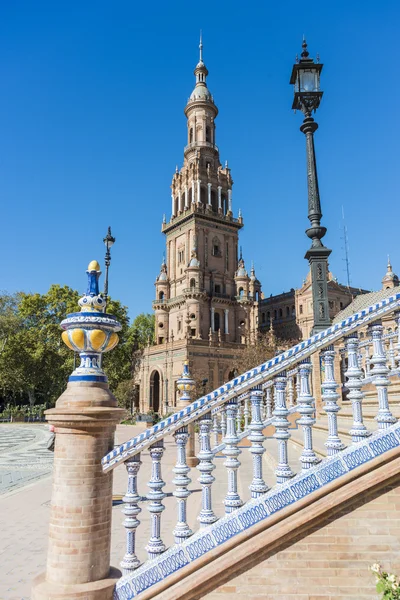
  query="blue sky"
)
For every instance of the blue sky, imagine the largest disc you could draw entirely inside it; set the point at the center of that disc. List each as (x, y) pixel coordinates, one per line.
(92, 126)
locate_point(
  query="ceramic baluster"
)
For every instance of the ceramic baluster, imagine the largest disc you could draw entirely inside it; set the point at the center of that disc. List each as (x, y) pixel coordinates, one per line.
(232, 499)
(354, 384)
(283, 471)
(306, 404)
(206, 467)
(330, 397)
(256, 437)
(379, 373)
(181, 481)
(131, 509)
(155, 545)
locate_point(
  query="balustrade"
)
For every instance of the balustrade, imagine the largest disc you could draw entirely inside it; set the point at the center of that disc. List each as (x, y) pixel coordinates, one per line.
(244, 408)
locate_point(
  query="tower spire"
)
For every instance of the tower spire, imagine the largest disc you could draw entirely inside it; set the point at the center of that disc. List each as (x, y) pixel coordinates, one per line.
(201, 46)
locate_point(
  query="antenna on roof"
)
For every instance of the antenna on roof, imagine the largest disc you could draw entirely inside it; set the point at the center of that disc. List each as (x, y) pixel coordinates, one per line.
(345, 239)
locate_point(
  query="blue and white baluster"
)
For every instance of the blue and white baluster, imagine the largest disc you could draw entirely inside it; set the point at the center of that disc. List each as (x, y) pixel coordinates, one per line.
(239, 416)
(290, 390)
(298, 385)
(232, 499)
(283, 471)
(268, 402)
(156, 546)
(130, 562)
(379, 373)
(223, 421)
(329, 395)
(392, 353)
(246, 412)
(215, 428)
(256, 437)
(206, 467)
(306, 404)
(181, 480)
(354, 384)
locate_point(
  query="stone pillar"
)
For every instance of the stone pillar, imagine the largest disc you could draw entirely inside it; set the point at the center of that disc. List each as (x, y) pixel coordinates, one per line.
(198, 191)
(186, 197)
(220, 198)
(209, 193)
(193, 192)
(173, 205)
(212, 319)
(229, 200)
(180, 207)
(85, 417)
(226, 311)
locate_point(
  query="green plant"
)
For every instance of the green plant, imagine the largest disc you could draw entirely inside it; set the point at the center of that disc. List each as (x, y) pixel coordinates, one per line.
(387, 584)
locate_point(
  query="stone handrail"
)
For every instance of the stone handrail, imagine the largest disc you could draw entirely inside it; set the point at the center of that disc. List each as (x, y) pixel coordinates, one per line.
(262, 397)
(248, 380)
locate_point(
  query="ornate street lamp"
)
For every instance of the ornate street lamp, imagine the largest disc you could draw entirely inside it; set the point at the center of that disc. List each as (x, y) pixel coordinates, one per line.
(109, 241)
(307, 97)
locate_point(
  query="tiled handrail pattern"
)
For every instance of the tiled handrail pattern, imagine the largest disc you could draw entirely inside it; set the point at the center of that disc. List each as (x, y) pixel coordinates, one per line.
(248, 380)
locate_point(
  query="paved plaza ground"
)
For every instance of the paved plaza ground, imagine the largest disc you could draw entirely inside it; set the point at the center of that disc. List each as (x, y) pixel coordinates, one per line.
(25, 495)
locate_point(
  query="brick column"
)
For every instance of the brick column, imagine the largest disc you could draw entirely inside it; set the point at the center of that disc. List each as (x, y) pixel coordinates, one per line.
(78, 560)
(85, 417)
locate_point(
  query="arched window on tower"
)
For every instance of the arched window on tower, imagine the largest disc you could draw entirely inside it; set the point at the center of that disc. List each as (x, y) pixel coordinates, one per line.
(203, 195)
(241, 292)
(287, 311)
(191, 138)
(217, 324)
(262, 317)
(216, 247)
(161, 296)
(192, 283)
(280, 313)
(208, 134)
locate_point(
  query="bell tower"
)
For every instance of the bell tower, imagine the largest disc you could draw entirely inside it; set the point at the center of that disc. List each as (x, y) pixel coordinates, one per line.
(206, 306)
(202, 233)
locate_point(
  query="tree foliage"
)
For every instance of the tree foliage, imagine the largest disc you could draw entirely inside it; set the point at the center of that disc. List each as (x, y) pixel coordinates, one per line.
(34, 362)
(264, 347)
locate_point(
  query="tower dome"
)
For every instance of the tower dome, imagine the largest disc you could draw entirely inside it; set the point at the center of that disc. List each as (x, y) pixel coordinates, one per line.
(390, 280)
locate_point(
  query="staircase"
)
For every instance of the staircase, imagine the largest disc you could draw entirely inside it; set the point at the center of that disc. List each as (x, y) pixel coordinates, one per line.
(269, 467)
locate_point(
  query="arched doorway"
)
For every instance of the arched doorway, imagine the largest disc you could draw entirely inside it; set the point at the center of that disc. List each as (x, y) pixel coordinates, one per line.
(155, 391)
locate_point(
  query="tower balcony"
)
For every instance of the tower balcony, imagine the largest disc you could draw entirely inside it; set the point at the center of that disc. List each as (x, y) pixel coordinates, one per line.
(195, 145)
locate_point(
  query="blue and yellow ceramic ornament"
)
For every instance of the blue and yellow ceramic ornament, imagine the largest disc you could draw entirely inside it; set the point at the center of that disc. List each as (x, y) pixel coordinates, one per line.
(90, 332)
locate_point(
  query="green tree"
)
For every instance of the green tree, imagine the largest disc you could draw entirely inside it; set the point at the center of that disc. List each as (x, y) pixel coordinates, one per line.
(139, 335)
(34, 361)
(9, 318)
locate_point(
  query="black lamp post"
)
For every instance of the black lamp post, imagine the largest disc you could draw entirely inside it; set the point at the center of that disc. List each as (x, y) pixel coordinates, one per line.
(109, 241)
(307, 97)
